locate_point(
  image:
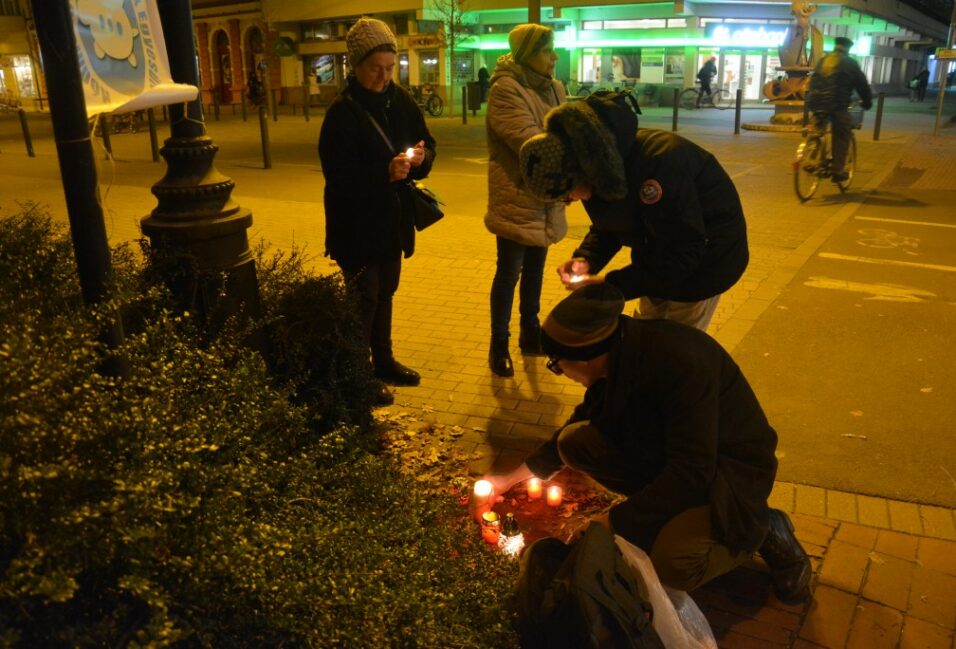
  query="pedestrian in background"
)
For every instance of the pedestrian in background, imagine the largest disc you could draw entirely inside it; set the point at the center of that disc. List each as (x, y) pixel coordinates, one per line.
(705, 75)
(831, 89)
(373, 140)
(659, 194)
(523, 90)
(922, 80)
(483, 83)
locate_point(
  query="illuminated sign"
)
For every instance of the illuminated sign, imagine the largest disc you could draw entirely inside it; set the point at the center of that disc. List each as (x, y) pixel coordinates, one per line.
(746, 35)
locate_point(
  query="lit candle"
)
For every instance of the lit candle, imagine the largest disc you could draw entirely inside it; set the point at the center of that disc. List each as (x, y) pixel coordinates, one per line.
(490, 527)
(554, 495)
(483, 497)
(409, 152)
(534, 488)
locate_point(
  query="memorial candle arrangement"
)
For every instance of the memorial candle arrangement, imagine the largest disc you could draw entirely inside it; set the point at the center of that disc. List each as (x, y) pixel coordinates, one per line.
(554, 495)
(490, 527)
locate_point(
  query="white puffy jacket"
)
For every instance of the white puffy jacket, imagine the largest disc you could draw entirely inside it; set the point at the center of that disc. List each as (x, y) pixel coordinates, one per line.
(518, 101)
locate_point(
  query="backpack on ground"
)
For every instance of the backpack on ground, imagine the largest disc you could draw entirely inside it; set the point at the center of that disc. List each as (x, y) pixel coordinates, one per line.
(582, 596)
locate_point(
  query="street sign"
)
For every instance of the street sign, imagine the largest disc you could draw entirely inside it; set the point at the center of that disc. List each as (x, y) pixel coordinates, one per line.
(942, 53)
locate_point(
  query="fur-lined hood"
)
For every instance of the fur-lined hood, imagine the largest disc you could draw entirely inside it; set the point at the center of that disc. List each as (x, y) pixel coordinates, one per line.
(585, 142)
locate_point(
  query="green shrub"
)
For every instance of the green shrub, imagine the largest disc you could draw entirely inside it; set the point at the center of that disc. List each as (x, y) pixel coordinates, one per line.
(193, 503)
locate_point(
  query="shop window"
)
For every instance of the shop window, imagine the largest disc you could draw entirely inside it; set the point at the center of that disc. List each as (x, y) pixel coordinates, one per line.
(676, 22)
(323, 69)
(401, 24)
(707, 21)
(593, 25)
(464, 67)
(674, 64)
(24, 72)
(428, 67)
(403, 69)
(647, 23)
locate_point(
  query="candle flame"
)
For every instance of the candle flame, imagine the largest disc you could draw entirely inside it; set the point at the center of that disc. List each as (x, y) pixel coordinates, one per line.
(483, 488)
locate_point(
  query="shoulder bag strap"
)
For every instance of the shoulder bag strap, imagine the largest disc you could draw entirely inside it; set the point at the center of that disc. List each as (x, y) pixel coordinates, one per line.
(374, 121)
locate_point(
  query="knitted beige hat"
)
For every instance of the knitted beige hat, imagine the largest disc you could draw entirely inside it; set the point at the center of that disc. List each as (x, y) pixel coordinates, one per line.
(526, 40)
(366, 35)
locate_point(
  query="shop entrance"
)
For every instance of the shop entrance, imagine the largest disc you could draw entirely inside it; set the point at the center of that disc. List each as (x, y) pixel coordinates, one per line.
(743, 70)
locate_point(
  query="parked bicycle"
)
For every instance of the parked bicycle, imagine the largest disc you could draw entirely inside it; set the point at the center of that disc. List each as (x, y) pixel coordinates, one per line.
(718, 98)
(426, 98)
(814, 160)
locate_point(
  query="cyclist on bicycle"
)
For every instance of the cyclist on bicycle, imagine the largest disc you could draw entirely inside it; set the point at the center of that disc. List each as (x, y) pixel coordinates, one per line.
(833, 81)
(707, 72)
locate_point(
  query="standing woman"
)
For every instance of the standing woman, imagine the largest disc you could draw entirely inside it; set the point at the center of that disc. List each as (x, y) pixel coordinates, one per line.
(523, 90)
(368, 217)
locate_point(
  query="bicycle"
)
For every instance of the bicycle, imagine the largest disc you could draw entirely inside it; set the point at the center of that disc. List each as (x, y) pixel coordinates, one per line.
(814, 160)
(427, 100)
(718, 98)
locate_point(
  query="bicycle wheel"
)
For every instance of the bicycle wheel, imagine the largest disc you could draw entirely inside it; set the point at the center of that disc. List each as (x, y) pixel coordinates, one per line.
(849, 167)
(722, 99)
(807, 168)
(434, 105)
(688, 98)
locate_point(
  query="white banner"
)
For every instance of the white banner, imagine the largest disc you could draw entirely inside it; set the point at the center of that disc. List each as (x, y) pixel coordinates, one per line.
(123, 56)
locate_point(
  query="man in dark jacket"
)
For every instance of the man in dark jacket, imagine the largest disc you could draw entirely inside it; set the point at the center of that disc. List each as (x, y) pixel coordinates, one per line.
(670, 422)
(368, 217)
(834, 79)
(663, 196)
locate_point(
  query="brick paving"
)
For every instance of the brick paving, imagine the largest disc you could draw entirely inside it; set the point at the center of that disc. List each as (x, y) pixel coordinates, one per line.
(884, 571)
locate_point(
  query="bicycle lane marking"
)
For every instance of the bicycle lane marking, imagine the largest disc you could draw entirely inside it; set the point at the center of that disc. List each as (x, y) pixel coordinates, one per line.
(736, 328)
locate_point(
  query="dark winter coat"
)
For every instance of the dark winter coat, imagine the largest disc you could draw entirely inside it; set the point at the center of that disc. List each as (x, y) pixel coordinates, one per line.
(677, 405)
(681, 217)
(833, 81)
(367, 217)
(707, 72)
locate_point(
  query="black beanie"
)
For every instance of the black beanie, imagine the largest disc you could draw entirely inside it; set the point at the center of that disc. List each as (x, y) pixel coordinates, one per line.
(582, 325)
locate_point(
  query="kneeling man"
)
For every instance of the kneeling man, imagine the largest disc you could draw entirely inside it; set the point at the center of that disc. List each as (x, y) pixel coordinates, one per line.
(669, 421)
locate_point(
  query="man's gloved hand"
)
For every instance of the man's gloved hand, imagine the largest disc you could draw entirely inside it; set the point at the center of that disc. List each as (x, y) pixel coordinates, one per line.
(867, 105)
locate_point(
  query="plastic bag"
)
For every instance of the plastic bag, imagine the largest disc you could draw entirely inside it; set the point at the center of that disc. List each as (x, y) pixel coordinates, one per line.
(677, 618)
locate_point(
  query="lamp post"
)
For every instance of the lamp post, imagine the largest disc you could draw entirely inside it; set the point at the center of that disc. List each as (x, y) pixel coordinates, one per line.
(197, 223)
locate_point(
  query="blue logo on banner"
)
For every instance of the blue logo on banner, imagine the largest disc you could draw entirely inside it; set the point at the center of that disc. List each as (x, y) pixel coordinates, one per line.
(108, 35)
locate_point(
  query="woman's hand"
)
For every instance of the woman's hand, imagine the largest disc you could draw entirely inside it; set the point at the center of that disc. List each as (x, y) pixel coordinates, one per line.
(575, 273)
(399, 167)
(416, 154)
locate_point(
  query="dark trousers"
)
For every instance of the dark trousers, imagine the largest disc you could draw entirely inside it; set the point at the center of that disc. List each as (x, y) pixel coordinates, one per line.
(704, 90)
(516, 261)
(920, 92)
(375, 286)
(840, 127)
(686, 553)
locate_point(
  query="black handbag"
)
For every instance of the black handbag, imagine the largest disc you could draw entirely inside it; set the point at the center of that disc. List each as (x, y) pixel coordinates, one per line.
(425, 205)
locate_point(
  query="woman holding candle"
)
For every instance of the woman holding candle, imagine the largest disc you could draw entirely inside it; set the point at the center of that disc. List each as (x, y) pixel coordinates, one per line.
(373, 140)
(669, 421)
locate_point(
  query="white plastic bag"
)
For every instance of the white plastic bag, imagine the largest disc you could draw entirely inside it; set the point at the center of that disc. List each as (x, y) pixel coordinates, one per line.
(677, 619)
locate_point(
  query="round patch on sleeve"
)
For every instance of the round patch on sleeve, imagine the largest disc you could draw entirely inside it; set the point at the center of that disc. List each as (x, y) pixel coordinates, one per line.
(651, 192)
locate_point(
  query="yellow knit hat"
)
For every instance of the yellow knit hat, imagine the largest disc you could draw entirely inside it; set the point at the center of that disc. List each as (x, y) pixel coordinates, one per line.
(526, 40)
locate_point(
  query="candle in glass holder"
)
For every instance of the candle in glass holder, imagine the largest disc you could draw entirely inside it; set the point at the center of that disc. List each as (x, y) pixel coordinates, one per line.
(483, 497)
(534, 488)
(490, 527)
(554, 495)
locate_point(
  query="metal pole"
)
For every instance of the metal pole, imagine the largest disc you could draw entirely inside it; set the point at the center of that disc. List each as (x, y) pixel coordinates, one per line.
(242, 100)
(106, 128)
(306, 98)
(676, 105)
(740, 101)
(264, 134)
(275, 106)
(464, 104)
(71, 130)
(534, 11)
(879, 116)
(153, 138)
(26, 133)
(942, 71)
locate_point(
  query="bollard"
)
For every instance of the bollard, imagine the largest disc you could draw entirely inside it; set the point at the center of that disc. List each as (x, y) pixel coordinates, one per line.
(879, 116)
(153, 138)
(26, 133)
(305, 108)
(740, 101)
(676, 105)
(464, 104)
(106, 125)
(242, 99)
(264, 132)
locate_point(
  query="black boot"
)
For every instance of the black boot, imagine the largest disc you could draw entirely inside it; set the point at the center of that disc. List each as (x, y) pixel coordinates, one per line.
(499, 358)
(529, 341)
(391, 371)
(383, 396)
(789, 564)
